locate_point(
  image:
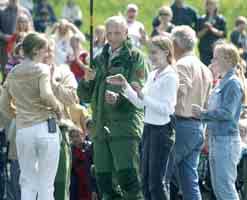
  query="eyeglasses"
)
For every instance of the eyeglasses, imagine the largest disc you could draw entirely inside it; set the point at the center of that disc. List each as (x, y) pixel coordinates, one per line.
(164, 14)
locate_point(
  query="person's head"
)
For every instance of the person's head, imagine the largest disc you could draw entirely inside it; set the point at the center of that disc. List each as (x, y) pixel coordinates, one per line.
(116, 31)
(35, 46)
(179, 2)
(23, 24)
(63, 27)
(44, 14)
(71, 2)
(161, 51)
(76, 136)
(75, 42)
(50, 56)
(165, 14)
(100, 34)
(226, 56)
(211, 6)
(13, 3)
(184, 40)
(241, 23)
(132, 12)
(43, 1)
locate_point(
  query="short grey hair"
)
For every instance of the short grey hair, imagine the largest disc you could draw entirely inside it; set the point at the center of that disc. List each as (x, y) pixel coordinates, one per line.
(185, 37)
(120, 20)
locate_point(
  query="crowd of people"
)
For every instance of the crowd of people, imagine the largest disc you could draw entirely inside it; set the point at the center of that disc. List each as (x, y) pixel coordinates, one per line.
(127, 125)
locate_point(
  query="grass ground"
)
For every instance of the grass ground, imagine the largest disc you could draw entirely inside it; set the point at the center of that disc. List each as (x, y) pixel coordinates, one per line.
(148, 8)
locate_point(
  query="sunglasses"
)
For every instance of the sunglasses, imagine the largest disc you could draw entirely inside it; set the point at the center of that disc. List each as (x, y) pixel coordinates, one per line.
(163, 14)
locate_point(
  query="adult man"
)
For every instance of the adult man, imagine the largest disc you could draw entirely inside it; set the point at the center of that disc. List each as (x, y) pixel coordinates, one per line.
(136, 29)
(194, 87)
(117, 124)
(182, 15)
(8, 18)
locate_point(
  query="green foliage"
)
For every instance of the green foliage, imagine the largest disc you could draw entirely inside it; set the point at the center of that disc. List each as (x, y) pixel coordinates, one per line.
(148, 8)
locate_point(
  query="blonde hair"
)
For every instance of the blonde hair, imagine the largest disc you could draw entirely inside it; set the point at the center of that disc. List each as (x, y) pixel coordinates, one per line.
(232, 56)
(166, 9)
(240, 20)
(119, 20)
(165, 44)
(24, 19)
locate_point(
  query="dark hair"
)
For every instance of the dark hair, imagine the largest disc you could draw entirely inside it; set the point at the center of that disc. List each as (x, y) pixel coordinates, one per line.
(33, 42)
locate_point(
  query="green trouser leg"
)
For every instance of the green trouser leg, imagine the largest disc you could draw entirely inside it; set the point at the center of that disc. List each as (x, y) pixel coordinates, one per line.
(130, 184)
(107, 187)
(118, 160)
(62, 180)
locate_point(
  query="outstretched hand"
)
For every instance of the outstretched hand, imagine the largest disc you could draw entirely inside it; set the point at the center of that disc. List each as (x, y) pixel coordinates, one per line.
(117, 79)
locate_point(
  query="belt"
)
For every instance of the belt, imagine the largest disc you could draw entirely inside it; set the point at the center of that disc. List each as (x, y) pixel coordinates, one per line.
(186, 118)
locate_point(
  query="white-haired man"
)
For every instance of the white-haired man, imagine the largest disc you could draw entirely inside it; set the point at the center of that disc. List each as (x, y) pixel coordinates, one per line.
(195, 81)
(117, 124)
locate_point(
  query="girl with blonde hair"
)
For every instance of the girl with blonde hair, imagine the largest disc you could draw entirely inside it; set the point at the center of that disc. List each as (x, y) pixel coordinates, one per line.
(222, 118)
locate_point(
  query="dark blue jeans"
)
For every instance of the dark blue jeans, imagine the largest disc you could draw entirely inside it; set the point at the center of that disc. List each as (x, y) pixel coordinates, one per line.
(156, 146)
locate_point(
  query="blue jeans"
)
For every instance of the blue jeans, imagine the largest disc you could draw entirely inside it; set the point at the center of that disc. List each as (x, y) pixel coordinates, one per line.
(189, 141)
(224, 156)
(156, 146)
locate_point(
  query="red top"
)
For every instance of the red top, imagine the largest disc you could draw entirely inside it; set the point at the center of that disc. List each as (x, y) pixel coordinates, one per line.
(11, 43)
(75, 66)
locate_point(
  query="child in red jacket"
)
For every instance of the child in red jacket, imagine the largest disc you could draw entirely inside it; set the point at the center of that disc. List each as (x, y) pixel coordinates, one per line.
(83, 184)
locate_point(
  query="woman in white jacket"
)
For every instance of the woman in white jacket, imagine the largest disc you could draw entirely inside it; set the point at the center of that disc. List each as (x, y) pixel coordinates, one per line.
(158, 98)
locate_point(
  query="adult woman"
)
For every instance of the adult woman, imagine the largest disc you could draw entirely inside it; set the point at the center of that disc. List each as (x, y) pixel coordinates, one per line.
(157, 135)
(211, 27)
(222, 118)
(36, 108)
(165, 17)
(62, 33)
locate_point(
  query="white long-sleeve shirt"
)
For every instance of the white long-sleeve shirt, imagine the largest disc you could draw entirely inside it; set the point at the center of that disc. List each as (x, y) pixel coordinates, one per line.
(160, 96)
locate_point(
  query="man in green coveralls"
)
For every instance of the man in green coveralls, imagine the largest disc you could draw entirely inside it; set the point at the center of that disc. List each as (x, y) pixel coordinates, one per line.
(117, 124)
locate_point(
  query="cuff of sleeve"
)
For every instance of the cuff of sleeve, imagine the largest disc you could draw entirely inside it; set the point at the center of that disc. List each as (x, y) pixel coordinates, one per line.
(129, 92)
(147, 100)
(203, 115)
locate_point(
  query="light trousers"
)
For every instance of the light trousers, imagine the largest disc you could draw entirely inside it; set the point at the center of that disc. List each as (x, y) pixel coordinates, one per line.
(38, 155)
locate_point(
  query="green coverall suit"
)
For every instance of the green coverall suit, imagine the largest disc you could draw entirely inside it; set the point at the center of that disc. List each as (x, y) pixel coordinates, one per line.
(116, 128)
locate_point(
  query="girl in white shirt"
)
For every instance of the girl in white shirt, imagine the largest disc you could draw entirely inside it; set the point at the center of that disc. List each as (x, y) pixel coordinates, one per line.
(158, 98)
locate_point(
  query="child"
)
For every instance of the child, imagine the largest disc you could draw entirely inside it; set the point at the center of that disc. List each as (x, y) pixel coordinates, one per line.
(99, 40)
(83, 184)
(15, 58)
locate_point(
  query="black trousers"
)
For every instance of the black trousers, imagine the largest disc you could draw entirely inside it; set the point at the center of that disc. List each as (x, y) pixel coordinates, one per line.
(157, 143)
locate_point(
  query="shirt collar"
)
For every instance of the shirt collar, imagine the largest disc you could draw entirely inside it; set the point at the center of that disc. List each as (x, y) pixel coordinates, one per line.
(164, 71)
(188, 53)
(115, 53)
(229, 74)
